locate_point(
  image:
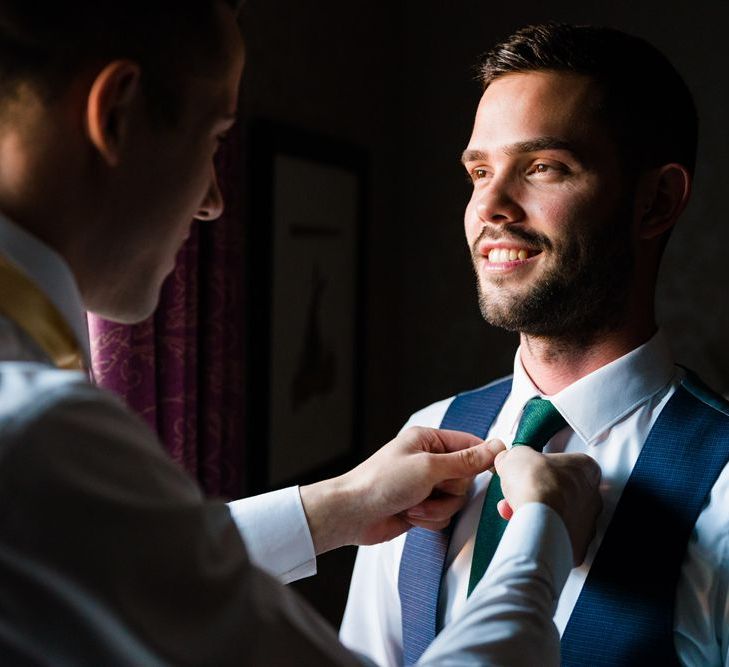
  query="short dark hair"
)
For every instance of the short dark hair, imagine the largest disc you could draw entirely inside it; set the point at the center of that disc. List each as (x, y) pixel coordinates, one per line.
(46, 45)
(645, 101)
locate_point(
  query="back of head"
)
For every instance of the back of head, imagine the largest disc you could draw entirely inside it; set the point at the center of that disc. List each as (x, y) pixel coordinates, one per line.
(46, 45)
(645, 103)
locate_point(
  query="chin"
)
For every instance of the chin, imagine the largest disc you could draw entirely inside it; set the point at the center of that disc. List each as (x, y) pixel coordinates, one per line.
(122, 317)
(125, 309)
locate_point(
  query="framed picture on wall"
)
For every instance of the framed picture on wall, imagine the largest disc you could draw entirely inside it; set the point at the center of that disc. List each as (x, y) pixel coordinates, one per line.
(305, 246)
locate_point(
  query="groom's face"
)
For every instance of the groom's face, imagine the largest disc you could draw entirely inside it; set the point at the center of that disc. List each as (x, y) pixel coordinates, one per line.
(549, 220)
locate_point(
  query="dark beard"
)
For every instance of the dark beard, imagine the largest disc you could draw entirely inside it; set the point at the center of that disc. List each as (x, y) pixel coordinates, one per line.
(584, 294)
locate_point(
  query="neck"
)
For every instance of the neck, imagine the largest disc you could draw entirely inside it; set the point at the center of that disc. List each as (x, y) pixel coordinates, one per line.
(555, 363)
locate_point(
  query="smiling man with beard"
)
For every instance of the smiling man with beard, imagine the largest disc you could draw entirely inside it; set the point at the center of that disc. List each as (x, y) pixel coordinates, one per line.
(581, 158)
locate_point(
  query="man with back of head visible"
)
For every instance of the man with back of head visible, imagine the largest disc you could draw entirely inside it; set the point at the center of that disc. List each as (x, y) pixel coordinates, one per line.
(581, 158)
(110, 116)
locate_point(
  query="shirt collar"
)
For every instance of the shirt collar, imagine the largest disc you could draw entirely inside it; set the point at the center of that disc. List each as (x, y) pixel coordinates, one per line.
(50, 273)
(599, 400)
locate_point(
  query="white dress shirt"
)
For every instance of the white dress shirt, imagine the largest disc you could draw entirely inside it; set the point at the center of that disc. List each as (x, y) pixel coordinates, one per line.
(610, 413)
(109, 555)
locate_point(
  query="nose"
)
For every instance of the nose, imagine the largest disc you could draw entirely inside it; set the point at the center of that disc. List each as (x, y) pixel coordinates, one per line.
(496, 204)
(212, 206)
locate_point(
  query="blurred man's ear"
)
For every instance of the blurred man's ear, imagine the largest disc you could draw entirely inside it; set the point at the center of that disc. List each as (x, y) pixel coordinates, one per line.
(662, 197)
(109, 107)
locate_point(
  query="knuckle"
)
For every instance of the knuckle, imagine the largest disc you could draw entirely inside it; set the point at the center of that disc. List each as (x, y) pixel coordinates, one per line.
(469, 458)
(425, 439)
(429, 436)
(415, 431)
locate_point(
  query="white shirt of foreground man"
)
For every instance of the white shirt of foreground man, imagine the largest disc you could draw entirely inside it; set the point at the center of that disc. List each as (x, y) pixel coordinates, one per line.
(109, 554)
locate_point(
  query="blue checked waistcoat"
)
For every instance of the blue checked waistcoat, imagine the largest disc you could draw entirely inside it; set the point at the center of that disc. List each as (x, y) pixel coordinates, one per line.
(624, 614)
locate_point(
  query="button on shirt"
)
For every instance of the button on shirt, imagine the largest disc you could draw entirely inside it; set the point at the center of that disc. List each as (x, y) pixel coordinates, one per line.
(610, 413)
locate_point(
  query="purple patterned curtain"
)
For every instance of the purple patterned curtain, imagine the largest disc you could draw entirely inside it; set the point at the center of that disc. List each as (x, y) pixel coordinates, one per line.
(182, 369)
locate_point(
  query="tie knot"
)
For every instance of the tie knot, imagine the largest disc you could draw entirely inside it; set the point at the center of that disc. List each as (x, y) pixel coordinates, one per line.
(539, 422)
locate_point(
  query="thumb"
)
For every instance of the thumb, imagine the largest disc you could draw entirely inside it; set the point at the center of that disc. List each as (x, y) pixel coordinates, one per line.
(466, 462)
(499, 461)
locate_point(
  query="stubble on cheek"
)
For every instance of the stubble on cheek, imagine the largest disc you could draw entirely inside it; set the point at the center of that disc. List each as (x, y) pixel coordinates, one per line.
(580, 290)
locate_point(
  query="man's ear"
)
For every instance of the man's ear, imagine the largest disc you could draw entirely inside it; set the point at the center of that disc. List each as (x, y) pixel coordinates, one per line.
(662, 197)
(109, 107)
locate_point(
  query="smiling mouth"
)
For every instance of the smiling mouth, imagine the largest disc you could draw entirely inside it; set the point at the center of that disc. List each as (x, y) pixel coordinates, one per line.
(504, 255)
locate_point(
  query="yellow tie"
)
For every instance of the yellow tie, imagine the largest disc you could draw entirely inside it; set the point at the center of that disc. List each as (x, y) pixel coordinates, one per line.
(25, 304)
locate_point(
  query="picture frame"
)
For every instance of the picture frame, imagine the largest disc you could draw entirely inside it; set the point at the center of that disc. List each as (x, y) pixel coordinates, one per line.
(305, 324)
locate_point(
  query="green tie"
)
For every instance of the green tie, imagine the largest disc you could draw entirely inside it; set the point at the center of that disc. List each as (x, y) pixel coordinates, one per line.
(539, 422)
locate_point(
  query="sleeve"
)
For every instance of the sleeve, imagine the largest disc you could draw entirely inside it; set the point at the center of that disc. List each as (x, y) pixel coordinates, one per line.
(508, 618)
(274, 528)
(109, 554)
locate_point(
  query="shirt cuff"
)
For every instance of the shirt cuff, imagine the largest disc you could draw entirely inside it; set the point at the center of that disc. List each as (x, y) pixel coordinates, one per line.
(276, 532)
(536, 532)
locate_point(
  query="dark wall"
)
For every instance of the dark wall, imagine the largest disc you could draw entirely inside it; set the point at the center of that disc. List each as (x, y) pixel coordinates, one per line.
(333, 68)
(398, 78)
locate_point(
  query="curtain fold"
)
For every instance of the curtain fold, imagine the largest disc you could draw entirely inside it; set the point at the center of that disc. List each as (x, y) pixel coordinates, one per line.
(182, 369)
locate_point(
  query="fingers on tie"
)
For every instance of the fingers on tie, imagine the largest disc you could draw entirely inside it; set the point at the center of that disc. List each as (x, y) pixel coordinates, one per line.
(455, 487)
(499, 460)
(454, 441)
(462, 463)
(594, 471)
(481, 457)
(495, 446)
(589, 467)
(505, 509)
(435, 513)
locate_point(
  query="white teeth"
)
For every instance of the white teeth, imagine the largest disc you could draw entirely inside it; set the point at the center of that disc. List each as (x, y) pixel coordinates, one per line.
(503, 255)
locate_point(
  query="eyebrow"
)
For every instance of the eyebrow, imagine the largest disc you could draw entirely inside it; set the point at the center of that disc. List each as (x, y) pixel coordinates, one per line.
(538, 144)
